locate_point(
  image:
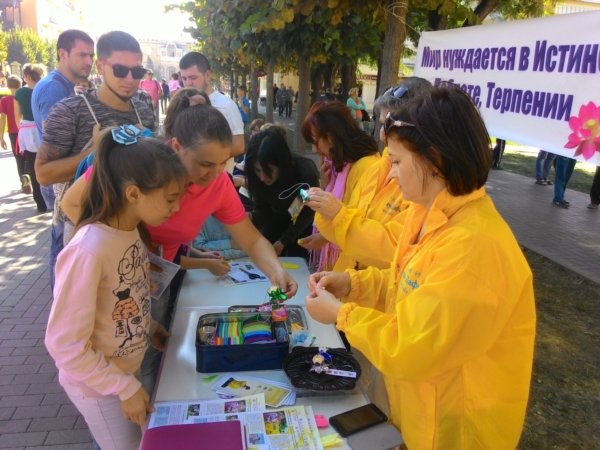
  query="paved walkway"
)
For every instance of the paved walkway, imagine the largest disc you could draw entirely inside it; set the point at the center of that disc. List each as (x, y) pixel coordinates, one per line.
(35, 412)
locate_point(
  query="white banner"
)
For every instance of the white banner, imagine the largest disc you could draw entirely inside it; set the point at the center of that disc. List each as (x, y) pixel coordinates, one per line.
(536, 82)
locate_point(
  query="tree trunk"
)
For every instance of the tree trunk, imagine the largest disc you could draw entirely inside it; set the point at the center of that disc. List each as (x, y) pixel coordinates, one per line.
(303, 103)
(316, 82)
(378, 87)
(328, 81)
(232, 83)
(253, 91)
(484, 8)
(348, 78)
(270, 69)
(393, 44)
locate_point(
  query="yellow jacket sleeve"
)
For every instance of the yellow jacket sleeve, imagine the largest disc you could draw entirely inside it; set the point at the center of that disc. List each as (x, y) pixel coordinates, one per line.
(451, 318)
(361, 237)
(369, 287)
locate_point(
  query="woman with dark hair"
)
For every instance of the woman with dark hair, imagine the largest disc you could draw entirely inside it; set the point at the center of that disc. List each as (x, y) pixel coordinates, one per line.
(451, 324)
(346, 152)
(367, 228)
(274, 178)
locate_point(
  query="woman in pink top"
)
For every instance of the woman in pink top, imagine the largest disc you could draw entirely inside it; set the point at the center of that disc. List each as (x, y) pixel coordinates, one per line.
(100, 322)
(202, 139)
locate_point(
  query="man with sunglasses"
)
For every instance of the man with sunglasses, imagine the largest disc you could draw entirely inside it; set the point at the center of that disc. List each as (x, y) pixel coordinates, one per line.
(73, 122)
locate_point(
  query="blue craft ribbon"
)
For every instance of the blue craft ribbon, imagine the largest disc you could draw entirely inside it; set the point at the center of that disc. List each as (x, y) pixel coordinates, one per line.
(126, 134)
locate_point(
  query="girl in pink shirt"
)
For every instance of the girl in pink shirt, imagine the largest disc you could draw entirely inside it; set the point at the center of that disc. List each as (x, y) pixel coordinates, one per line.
(100, 323)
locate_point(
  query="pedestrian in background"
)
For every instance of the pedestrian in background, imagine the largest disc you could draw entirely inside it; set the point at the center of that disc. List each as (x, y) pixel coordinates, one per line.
(357, 106)
(564, 170)
(595, 191)
(497, 154)
(164, 100)
(28, 140)
(543, 163)
(7, 117)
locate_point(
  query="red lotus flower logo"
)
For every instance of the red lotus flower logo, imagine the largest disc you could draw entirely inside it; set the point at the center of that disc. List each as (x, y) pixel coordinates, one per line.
(585, 136)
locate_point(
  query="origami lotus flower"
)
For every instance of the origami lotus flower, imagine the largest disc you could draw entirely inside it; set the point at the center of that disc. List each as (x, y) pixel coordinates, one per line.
(585, 136)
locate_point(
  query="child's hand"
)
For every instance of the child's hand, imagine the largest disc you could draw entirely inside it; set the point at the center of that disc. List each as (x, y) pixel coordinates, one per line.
(278, 247)
(137, 407)
(218, 267)
(159, 338)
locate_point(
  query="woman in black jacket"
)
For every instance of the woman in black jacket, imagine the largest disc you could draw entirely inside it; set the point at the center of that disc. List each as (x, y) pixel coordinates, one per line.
(274, 177)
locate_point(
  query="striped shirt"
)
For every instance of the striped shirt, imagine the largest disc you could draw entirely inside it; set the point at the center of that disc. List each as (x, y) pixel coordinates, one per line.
(70, 124)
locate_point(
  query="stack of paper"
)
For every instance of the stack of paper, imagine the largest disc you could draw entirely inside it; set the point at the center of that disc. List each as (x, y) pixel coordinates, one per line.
(239, 385)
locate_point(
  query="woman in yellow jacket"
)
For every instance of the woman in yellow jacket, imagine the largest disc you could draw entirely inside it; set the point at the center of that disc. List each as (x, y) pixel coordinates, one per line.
(346, 152)
(366, 229)
(451, 324)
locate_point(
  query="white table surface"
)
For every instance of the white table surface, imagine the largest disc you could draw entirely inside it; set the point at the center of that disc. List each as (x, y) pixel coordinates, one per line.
(202, 293)
(200, 288)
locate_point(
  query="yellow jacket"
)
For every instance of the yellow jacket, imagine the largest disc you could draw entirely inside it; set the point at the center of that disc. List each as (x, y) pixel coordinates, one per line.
(451, 326)
(355, 173)
(366, 229)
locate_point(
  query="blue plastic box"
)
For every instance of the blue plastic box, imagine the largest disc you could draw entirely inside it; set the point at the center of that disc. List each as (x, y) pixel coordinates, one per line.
(236, 358)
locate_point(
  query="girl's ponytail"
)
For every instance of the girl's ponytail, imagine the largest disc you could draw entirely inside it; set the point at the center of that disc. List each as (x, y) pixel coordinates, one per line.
(182, 99)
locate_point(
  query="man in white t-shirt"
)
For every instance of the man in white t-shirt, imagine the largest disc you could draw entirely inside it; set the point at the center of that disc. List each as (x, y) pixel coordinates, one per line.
(195, 72)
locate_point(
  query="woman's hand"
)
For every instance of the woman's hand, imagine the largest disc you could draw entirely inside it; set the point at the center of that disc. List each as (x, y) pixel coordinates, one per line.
(312, 242)
(337, 283)
(325, 203)
(159, 338)
(325, 170)
(137, 407)
(323, 306)
(285, 281)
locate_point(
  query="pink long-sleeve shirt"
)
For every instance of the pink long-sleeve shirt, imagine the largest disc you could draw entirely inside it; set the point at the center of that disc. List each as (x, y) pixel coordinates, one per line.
(100, 319)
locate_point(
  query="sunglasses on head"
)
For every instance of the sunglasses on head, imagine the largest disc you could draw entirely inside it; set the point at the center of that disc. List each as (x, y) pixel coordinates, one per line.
(121, 71)
(390, 122)
(397, 91)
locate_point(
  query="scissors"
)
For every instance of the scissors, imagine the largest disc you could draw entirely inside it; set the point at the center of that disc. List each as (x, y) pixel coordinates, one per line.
(252, 276)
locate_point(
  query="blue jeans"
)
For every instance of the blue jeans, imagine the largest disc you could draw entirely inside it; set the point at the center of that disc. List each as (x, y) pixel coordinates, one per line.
(564, 170)
(543, 162)
(48, 195)
(56, 245)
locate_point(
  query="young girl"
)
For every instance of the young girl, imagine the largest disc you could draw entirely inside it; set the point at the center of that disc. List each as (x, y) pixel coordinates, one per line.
(100, 324)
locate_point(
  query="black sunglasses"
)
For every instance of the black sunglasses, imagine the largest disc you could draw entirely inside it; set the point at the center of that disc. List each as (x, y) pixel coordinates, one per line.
(121, 71)
(390, 122)
(397, 91)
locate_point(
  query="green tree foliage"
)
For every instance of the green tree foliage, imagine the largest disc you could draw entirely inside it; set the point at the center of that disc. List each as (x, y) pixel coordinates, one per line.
(285, 33)
(3, 46)
(25, 46)
(435, 15)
